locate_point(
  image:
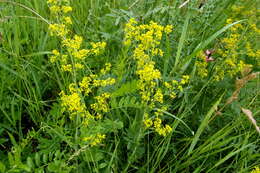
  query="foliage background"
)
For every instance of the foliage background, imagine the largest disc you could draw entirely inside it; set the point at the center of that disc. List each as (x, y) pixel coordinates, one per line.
(36, 137)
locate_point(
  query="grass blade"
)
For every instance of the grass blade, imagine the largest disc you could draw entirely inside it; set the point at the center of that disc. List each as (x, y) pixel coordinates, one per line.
(203, 125)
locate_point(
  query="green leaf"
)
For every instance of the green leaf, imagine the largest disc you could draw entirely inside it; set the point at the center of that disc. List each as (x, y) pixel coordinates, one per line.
(45, 158)
(2, 167)
(102, 165)
(30, 162)
(126, 88)
(203, 125)
(37, 159)
(12, 139)
(231, 154)
(182, 39)
(93, 155)
(112, 125)
(25, 168)
(11, 159)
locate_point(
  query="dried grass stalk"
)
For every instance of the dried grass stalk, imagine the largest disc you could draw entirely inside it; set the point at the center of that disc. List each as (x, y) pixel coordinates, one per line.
(250, 116)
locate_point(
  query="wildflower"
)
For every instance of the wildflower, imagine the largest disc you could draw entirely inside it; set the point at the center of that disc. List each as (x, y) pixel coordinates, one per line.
(52, 1)
(160, 129)
(67, 67)
(106, 69)
(74, 43)
(58, 29)
(158, 96)
(66, 9)
(53, 59)
(201, 65)
(147, 122)
(256, 170)
(55, 9)
(148, 37)
(73, 88)
(85, 85)
(101, 103)
(67, 20)
(72, 103)
(103, 83)
(55, 52)
(168, 29)
(81, 54)
(79, 66)
(97, 48)
(94, 140)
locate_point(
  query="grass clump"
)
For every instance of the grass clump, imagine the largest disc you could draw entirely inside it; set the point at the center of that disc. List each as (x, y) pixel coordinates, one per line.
(129, 86)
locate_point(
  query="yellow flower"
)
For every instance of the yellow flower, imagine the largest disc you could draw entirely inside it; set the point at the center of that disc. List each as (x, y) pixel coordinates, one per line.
(85, 85)
(52, 1)
(94, 139)
(97, 48)
(81, 54)
(66, 9)
(168, 29)
(106, 69)
(55, 9)
(158, 96)
(101, 103)
(67, 20)
(147, 122)
(256, 170)
(72, 103)
(73, 88)
(58, 29)
(103, 83)
(67, 67)
(79, 66)
(53, 59)
(55, 52)
(74, 43)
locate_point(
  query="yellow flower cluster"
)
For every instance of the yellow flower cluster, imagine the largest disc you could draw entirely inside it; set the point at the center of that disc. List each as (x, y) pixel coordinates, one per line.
(232, 62)
(174, 86)
(149, 35)
(237, 43)
(73, 57)
(74, 102)
(145, 39)
(59, 6)
(229, 54)
(101, 105)
(94, 140)
(171, 89)
(237, 46)
(156, 124)
(58, 29)
(256, 170)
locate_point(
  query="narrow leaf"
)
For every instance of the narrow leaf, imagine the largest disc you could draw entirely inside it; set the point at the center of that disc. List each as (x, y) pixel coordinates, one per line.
(203, 125)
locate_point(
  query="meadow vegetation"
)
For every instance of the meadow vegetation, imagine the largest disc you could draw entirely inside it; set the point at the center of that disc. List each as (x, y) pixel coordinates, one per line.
(129, 86)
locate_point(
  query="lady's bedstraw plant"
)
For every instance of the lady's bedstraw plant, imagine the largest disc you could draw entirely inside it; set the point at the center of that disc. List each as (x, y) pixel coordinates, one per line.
(145, 40)
(72, 59)
(239, 48)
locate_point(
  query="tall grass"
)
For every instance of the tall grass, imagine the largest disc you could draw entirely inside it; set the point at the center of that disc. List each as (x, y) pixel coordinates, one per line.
(208, 133)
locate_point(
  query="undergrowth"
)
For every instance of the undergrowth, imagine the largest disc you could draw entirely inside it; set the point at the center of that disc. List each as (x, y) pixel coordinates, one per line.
(129, 86)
